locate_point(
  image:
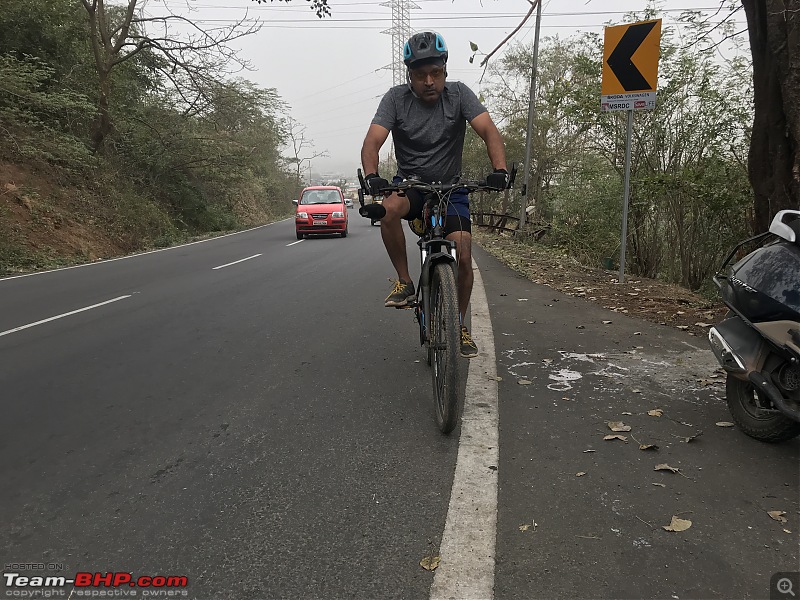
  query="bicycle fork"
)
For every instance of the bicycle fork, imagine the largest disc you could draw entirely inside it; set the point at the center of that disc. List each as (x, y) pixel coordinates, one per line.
(432, 252)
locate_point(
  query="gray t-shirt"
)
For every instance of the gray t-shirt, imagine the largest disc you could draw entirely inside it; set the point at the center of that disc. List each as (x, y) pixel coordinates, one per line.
(428, 140)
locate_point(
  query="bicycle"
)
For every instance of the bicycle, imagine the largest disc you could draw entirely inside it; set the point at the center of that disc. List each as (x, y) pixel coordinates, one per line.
(436, 302)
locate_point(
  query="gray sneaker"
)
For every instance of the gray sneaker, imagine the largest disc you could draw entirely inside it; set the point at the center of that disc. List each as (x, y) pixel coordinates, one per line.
(402, 295)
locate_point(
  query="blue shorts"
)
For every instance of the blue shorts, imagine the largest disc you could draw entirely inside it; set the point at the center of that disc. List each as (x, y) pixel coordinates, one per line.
(457, 206)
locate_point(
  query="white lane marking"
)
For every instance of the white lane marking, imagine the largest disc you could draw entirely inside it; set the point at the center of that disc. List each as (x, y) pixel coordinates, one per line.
(293, 243)
(108, 260)
(73, 312)
(236, 262)
(467, 551)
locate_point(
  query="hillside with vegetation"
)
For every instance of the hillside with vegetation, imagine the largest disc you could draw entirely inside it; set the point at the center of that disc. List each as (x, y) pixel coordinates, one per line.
(159, 153)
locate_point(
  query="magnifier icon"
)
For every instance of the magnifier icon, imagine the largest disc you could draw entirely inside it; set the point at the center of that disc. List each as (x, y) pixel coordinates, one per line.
(784, 586)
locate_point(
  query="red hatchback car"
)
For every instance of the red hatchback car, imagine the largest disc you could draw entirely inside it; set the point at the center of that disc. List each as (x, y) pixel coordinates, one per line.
(321, 209)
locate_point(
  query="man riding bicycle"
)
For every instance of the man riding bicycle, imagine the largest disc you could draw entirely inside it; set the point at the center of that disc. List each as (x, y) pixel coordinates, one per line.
(427, 119)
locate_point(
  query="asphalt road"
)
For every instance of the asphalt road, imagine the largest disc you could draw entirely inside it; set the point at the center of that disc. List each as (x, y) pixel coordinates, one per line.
(265, 429)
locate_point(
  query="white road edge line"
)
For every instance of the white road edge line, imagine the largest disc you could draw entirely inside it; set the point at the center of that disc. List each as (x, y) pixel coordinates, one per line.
(467, 551)
(2, 333)
(293, 243)
(236, 262)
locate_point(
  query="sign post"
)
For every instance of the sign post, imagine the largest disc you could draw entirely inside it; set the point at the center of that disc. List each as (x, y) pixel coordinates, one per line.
(630, 79)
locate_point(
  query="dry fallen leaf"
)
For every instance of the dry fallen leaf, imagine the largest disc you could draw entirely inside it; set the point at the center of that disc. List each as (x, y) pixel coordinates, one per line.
(678, 524)
(523, 382)
(615, 437)
(778, 515)
(656, 412)
(429, 563)
(580, 473)
(683, 327)
(660, 484)
(494, 377)
(585, 451)
(724, 424)
(618, 426)
(627, 413)
(648, 447)
(666, 467)
(524, 527)
(786, 531)
(606, 322)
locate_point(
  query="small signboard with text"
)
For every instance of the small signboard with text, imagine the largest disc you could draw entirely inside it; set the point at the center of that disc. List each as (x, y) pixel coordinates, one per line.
(630, 66)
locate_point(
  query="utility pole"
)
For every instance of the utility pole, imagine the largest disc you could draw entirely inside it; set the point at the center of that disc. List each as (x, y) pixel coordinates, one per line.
(531, 114)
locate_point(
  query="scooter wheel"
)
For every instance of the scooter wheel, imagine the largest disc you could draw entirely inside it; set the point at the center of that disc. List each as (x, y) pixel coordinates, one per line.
(742, 398)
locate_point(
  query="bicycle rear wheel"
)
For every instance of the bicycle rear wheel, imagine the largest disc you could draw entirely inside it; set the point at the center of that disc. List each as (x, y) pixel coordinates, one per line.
(445, 337)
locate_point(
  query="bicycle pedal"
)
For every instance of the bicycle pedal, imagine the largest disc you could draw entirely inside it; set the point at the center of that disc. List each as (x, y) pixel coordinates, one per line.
(406, 307)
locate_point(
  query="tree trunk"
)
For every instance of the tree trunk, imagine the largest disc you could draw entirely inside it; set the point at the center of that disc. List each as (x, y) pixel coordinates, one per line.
(103, 123)
(774, 161)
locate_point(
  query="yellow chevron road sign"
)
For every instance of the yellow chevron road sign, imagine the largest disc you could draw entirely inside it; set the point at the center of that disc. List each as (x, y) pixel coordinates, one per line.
(630, 66)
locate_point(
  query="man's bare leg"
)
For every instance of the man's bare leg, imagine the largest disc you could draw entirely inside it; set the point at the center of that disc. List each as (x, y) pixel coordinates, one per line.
(392, 233)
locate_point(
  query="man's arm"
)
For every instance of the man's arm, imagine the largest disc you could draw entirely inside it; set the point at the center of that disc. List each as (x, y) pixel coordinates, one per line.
(376, 136)
(485, 127)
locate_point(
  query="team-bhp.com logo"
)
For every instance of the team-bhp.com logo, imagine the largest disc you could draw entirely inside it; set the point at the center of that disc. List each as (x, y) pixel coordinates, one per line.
(16, 581)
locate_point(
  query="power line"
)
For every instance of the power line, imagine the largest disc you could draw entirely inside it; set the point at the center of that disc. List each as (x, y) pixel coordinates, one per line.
(305, 10)
(333, 87)
(327, 25)
(328, 110)
(360, 111)
(383, 19)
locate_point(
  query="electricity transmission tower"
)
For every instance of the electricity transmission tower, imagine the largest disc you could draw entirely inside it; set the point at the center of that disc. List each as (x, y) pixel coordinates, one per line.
(400, 32)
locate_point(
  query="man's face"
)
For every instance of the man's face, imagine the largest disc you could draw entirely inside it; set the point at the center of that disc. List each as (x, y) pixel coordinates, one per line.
(428, 82)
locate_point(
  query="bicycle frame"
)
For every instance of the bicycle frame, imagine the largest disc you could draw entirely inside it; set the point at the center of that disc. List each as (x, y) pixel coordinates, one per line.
(434, 249)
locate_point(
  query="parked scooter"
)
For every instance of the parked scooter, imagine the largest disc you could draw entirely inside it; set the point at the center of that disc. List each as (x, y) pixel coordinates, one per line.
(758, 342)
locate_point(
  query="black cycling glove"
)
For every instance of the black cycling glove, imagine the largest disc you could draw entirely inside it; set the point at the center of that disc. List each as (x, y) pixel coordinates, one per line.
(374, 211)
(498, 180)
(375, 183)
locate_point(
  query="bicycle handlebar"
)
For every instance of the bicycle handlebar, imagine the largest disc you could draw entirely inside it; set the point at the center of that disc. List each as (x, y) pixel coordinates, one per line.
(408, 184)
(442, 188)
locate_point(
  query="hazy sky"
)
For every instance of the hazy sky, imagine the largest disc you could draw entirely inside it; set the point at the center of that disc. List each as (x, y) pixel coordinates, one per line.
(333, 72)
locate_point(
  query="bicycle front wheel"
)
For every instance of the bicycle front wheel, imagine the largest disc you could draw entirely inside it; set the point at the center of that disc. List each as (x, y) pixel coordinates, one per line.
(445, 337)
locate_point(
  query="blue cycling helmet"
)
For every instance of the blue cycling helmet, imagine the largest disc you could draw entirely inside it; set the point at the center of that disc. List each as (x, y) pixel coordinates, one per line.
(424, 47)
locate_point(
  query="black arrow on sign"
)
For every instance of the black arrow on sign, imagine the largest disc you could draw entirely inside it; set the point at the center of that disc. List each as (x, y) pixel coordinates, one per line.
(620, 61)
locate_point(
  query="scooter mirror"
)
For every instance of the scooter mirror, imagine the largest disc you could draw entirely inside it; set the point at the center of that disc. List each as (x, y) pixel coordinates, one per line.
(782, 229)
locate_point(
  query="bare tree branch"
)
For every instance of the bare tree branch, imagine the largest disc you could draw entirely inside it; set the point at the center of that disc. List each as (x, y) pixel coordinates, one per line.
(192, 64)
(534, 4)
